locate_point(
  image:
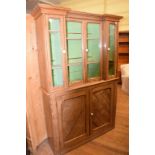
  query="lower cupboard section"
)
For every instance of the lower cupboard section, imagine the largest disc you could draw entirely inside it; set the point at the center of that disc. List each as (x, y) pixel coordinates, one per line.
(83, 114)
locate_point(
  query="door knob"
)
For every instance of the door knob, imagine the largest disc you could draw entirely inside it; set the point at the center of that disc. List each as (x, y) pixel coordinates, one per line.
(91, 114)
(63, 51)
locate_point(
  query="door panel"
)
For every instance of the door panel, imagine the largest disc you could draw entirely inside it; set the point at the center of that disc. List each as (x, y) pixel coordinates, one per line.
(101, 105)
(73, 114)
(73, 117)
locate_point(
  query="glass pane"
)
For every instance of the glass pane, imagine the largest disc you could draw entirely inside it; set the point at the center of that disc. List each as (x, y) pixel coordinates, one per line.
(74, 30)
(73, 27)
(93, 70)
(57, 76)
(55, 49)
(93, 50)
(112, 42)
(111, 68)
(93, 42)
(74, 51)
(54, 24)
(55, 52)
(75, 73)
(93, 30)
(112, 49)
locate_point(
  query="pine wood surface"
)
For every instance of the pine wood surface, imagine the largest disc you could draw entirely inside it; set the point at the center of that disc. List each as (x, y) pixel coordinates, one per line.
(114, 142)
(34, 104)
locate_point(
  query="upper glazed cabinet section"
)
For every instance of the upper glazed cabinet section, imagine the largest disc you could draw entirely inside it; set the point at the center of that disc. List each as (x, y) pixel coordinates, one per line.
(75, 48)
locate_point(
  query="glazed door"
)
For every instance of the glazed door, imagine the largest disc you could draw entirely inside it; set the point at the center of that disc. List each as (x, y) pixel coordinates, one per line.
(84, 51)
(74, 52)
(112, 49)
(102, 108)
(56, 46)
(73, 112)
(93, 50)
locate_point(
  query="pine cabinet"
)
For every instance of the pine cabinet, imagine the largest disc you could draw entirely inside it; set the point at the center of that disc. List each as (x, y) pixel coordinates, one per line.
(77, 54)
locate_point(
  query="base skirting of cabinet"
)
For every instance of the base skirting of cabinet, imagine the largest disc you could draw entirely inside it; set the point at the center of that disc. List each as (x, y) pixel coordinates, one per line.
(115, 141)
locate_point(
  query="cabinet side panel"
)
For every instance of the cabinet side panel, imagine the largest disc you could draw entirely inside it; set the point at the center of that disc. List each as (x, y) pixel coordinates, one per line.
(34, 101)
(48, 117)
(42, 53)
(43, 60)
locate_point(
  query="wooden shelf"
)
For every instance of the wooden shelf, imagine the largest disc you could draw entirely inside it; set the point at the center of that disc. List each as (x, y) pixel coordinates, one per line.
(123, 42)
(123, 39)
(123, 51)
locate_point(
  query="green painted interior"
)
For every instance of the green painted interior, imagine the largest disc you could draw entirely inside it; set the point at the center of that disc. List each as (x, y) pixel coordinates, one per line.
(55, 52)
(93, 50)
(74, 36)
(112, 49)
(57, 76)
(55, 49)
(93, 31)
(74, 50)
(75, 73)
(74, 27)
(93, 55)
(93, 70)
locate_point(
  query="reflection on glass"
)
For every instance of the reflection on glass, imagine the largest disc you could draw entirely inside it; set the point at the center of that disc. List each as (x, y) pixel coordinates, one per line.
(54, 24)
(112, 49)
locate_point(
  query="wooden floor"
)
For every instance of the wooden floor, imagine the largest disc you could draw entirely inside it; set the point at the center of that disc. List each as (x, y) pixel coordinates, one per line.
(115, 142)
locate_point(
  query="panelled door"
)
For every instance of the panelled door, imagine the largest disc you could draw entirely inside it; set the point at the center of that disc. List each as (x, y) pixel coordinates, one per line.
(102, 110)
(73, 112)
